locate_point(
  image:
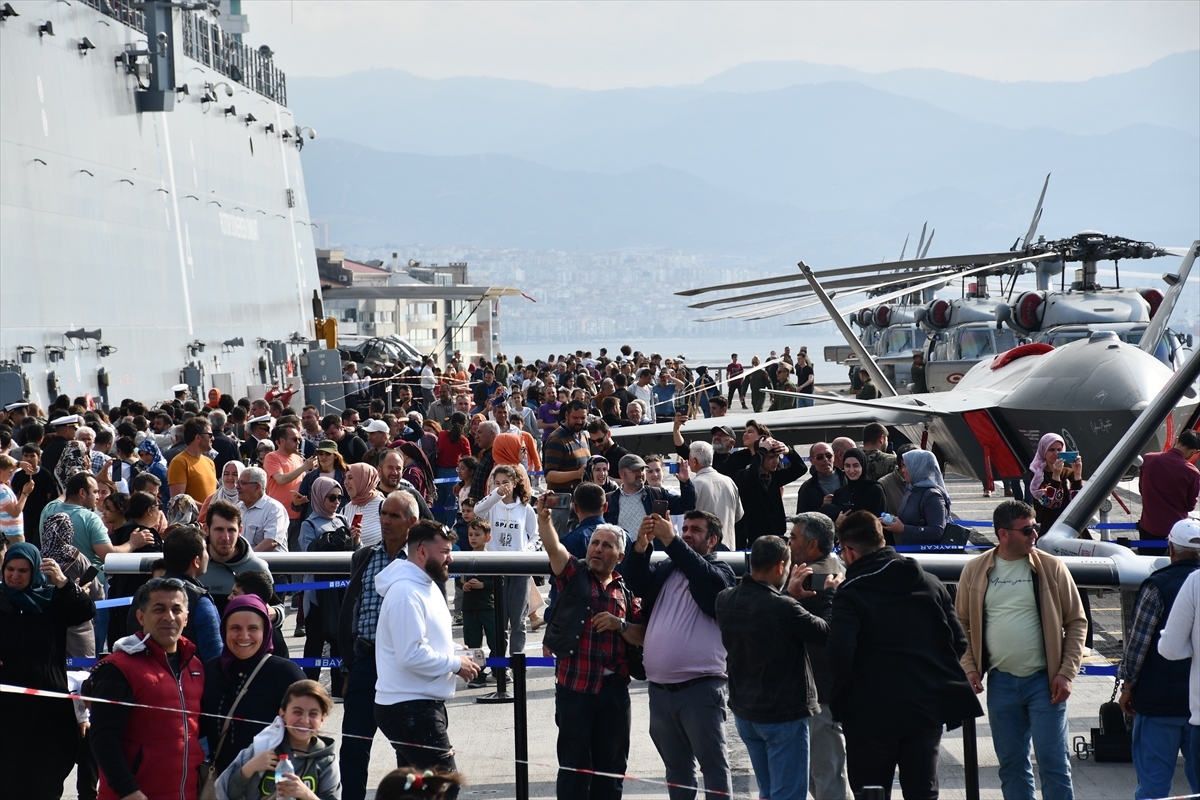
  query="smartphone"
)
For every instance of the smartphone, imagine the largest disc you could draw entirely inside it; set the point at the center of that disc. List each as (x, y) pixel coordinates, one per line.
(662, 508)
(558, 500)
(116, 470)
(89, 576)
(1069, 456)
(357, 521)
(815, 582)
(682, 407)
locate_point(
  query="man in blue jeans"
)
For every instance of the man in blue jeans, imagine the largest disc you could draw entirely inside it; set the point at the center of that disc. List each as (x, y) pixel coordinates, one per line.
(771, 687)
(1155, 690)
(1025, 630)
(356, 635)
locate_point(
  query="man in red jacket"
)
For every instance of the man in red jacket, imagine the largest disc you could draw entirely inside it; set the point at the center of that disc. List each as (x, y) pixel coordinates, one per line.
(1169, 485)
(144, 752)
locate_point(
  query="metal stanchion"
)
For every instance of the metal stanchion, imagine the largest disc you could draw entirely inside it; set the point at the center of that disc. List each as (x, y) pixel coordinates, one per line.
(520, 726)
(970, 759)
(501, 694)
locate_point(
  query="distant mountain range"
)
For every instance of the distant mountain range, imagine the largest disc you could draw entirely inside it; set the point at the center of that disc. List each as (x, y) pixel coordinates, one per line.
(786, 159)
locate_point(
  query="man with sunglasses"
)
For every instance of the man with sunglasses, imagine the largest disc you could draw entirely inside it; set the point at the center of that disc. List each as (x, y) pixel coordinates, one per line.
(1025, 630)
(825, 479)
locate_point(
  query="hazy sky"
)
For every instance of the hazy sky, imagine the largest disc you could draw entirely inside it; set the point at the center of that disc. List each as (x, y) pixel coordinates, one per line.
(599, 45)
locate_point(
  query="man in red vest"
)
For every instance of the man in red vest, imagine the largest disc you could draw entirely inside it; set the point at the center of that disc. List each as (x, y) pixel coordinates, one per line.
(152, 748)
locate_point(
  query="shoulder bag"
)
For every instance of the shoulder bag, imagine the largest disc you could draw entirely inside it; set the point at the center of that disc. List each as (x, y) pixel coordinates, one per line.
(207, 784)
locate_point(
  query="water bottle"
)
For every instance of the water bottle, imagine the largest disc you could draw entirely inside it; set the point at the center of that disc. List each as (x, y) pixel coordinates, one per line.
(887, 518)
(284, 766)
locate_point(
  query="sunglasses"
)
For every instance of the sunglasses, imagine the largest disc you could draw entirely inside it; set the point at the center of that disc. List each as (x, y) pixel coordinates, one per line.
(164, 583)
(822, 456)
(333, 497)
(1028, 530)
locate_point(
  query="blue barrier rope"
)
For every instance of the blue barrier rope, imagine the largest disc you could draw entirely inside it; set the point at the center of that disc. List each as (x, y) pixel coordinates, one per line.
(1104, 526)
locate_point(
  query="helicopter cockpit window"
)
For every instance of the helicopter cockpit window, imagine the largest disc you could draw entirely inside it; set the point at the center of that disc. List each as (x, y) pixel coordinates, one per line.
(974, 344)
(1162, 352)
(899, 341)
(1060, 339)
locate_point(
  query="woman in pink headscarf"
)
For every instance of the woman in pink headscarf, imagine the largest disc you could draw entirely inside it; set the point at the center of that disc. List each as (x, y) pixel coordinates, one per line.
(365, 499)
(1055, 481)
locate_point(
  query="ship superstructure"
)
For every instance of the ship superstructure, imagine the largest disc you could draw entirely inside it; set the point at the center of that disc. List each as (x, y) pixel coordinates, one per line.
(154, 227)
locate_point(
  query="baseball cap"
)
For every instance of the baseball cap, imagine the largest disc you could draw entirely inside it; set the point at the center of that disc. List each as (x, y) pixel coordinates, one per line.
(725, 429)
(376, 426)
(1186, 533)
(631, 461)
(327, 446)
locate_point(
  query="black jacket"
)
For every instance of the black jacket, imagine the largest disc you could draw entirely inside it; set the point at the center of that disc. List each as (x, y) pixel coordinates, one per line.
(894, 649)
(764, 632)
(763, 502)
(707, 577)
(258, 707)
(227, 450)
(677, 503)
(811, 496)
(349, 613)
(859, 495)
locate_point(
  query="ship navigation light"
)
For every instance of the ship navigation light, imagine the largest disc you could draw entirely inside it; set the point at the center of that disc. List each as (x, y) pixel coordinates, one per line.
(231, 111)
(249, 119)
(46, 29)
(85, 44)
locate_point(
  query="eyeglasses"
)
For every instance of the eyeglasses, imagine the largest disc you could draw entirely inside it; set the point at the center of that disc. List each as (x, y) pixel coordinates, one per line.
(1028, 530)
(596, 441)
(333, 497)
(822, 456)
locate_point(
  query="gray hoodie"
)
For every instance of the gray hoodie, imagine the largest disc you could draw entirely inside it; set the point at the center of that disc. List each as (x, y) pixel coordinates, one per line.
(318, 769)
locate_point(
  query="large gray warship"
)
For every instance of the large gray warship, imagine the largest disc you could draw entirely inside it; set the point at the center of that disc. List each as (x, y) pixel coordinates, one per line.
(154, 228)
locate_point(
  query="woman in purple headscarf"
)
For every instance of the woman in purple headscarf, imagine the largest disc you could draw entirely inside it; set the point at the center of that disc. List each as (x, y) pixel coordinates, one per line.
(1055, 480)
(246, 631)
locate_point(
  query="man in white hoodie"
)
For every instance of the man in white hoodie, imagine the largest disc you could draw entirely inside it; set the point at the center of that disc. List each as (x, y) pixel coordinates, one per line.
(415, 651)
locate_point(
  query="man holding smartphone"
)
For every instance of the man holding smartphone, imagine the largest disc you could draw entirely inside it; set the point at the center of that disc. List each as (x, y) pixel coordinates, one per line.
(684, 656)
(634, 500)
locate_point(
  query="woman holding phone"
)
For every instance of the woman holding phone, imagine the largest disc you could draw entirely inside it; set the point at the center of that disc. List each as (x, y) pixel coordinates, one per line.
(1057, 477)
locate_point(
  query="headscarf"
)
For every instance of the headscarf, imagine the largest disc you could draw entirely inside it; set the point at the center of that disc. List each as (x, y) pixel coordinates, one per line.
(230, 664)
(1038, 465)
(857, 454)
(223, 493)
(506, 449)
(182, 510)
(74, 459)
(36, 596)
(320, 489)
(58, 536)
(148, 446)
(366, 478)
(417, 456)
(923, 472)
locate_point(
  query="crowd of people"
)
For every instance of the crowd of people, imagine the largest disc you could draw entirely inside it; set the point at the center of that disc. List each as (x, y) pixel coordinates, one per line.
(840, 659)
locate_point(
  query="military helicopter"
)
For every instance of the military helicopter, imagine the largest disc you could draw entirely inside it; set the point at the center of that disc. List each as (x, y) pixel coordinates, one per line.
(1089, 391)
(955, 333)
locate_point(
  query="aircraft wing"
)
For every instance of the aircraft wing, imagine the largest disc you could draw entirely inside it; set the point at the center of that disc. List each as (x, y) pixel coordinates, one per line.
(799, 425)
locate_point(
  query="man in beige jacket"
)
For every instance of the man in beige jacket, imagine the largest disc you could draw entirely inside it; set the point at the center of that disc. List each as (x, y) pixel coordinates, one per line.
(1025, 630)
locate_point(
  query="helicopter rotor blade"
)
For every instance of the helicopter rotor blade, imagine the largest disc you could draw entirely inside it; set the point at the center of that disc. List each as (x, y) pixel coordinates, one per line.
(1154, 331)
(1037, 214)
(904, 249)
(925, 252)
(921, 242)
(916, 263)
(853, 284)
(864, 304)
